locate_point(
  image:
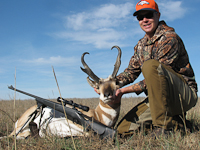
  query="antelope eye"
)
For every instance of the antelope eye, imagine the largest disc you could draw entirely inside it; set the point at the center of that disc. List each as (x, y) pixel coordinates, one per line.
(117, 82)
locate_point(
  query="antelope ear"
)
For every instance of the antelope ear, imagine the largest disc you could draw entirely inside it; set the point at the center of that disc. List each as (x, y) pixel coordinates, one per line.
(92, 83)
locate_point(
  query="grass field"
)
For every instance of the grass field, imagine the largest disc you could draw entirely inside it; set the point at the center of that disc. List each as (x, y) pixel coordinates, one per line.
(137, 141)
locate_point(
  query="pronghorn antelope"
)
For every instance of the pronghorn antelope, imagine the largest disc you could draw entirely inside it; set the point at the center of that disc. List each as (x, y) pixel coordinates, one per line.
(52, 122)
(107, 111)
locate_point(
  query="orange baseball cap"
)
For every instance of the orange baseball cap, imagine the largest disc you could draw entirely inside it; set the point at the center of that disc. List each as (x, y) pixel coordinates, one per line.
(146, 5)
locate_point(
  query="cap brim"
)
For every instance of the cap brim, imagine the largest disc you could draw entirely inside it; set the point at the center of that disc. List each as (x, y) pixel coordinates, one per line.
(136, 13)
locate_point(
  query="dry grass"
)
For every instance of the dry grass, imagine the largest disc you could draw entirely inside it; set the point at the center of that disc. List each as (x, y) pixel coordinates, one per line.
(136, 141)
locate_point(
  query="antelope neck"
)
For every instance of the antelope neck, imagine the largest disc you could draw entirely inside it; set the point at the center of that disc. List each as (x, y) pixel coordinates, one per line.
(110, 105)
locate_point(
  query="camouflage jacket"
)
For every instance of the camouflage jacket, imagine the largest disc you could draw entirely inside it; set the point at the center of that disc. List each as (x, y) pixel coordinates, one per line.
(166, 47)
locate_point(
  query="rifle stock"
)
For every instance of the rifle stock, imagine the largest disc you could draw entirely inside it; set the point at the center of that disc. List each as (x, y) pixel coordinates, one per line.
(99, 128)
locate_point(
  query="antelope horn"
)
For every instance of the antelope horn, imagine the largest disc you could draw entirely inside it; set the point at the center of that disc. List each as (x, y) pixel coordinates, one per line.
(87, 70)
(118, 61)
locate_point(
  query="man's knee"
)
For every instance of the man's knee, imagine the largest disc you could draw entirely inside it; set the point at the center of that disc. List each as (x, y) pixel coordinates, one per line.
(150, 67)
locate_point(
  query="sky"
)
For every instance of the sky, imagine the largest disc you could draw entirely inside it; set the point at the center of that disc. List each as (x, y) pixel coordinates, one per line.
(38, 35)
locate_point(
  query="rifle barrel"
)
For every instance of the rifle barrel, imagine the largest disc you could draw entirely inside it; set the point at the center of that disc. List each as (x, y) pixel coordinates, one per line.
(34, 96)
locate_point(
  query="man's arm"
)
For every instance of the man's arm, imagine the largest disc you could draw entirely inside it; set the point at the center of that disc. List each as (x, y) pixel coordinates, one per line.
(135, 88)
(132, 72)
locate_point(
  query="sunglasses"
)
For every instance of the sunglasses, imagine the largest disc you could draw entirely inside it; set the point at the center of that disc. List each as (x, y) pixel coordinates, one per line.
(148, 16)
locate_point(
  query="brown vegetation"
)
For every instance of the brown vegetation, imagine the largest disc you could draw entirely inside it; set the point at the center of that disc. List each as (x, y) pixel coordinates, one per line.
(136, 141)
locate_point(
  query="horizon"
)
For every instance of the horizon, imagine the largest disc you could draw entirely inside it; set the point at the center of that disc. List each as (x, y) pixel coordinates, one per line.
(38, 35)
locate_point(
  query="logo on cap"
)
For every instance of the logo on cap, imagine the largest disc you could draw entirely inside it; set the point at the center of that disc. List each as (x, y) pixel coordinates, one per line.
(143, 2)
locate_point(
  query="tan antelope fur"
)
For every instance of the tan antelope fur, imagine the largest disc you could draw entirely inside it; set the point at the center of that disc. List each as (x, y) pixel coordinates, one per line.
(20, 122)
(52, 122)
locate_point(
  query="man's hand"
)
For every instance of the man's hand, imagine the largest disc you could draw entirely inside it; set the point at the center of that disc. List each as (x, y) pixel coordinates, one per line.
(96, 91)
(130, 89)
(118, 95)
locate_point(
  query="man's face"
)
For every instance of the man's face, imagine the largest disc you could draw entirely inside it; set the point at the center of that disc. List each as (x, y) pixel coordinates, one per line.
(148, 21)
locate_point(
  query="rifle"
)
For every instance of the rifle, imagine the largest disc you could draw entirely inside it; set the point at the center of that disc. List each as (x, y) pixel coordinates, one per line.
(77, 116)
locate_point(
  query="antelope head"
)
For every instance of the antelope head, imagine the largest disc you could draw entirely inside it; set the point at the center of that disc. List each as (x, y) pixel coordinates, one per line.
(106, 87)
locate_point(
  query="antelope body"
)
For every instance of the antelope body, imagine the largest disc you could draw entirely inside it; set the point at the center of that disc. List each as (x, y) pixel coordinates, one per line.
(52, 122)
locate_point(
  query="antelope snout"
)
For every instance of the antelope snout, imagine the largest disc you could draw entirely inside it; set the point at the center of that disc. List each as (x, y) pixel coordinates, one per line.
(107, 94)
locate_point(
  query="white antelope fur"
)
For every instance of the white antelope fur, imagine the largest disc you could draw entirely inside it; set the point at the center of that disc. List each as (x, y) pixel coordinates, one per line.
(55, 123)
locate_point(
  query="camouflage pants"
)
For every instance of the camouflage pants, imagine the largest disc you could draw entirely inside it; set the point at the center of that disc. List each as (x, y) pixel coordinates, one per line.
(168, 96)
